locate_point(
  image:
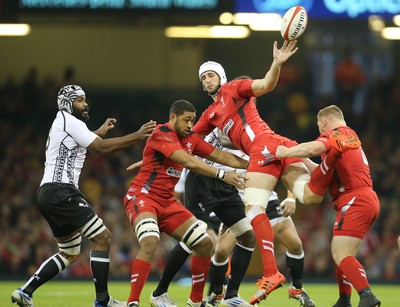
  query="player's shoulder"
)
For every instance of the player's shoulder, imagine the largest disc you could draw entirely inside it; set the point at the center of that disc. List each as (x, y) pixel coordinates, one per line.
(162, 130)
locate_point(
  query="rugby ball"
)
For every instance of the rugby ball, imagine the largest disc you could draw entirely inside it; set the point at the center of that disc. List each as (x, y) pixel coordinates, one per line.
(294, 23)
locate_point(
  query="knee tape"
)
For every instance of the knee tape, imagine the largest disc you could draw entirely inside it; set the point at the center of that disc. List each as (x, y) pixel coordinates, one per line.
(196, 232)
(256, 197)
(298, 187)
(241, 227)
(147, 227)
(94, 227)
(72, 246)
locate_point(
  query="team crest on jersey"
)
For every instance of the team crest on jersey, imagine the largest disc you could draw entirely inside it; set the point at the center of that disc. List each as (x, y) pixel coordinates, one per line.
(189, 147)
(173, 172)
(268, 157)
(223, 102)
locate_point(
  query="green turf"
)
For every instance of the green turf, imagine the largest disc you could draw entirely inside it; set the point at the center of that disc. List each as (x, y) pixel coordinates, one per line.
(58, 294)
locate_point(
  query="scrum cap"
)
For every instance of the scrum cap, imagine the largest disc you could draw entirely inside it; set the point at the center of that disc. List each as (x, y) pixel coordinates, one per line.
(67, 95)
(214, 66)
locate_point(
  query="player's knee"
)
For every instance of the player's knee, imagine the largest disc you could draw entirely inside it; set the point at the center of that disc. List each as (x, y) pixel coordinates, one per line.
(223, 249)
(70, 248)
(205, 247)
(69, 258)
(247, 239)
(296, 248)
(148, 246)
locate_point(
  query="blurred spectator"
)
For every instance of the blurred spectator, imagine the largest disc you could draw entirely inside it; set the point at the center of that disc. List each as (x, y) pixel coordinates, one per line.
(349, 78)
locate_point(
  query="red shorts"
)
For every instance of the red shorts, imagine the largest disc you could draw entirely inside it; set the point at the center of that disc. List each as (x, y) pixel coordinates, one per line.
(355, 213)
(169, 212)
(262, 155)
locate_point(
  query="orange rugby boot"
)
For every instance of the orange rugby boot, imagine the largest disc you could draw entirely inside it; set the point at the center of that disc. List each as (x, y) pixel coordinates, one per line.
(266, 286)
(344, 142)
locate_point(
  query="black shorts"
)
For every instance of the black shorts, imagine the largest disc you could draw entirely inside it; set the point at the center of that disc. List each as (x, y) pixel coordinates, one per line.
(273, 211)
(64, 208)
(204, 195)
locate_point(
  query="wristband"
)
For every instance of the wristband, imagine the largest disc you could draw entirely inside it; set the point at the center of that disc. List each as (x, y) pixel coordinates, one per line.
(220, 174)
(282, 204)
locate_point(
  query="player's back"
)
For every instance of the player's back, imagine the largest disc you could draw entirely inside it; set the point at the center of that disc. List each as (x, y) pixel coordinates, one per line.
(352, 170)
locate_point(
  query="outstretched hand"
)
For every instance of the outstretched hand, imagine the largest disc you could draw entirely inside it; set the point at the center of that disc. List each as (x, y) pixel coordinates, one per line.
(107, 126)
(285, 52)
(147, 129)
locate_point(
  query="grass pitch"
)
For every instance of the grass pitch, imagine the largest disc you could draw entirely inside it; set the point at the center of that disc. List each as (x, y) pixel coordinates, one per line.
(81, 293)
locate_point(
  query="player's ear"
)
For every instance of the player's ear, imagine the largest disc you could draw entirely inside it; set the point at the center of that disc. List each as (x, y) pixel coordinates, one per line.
(172, 117)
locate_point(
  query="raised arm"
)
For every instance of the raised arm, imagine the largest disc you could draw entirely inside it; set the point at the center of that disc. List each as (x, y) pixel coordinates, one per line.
(280, 56)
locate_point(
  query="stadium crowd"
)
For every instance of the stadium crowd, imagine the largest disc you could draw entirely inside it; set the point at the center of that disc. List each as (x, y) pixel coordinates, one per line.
(29, 107)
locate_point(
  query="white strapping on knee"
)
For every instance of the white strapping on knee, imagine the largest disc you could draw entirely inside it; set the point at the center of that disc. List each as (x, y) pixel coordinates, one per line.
(147, 227)
(298, 187)
(72, 246)
(256, 197)
(295, 256)
(241, 227)
(195, 233)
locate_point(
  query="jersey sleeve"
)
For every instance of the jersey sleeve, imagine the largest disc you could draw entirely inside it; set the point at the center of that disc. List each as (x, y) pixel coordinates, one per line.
(244, 88)
(324, 139)
(201, 148)
(78, 130)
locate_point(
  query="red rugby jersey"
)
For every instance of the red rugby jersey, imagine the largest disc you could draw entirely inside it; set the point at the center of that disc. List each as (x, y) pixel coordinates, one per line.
(158, 174)
(236, 114)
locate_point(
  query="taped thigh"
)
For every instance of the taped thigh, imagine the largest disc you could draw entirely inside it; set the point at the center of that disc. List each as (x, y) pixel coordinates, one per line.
(256, 197)
(93, 228)
(147, 227)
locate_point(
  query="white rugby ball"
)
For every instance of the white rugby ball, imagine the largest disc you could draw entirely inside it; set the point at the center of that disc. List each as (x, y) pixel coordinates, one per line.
(294, 23)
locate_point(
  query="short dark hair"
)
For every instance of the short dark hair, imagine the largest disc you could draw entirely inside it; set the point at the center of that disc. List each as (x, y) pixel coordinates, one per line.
(181, 106)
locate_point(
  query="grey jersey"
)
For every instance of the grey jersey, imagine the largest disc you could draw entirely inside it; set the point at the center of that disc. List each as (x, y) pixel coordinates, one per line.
(66, 149)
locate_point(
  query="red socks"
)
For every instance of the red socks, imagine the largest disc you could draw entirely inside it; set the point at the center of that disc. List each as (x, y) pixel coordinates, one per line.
(265, 241)
(199, 267)
(344, 284)
(140, 272)
(354, 272)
